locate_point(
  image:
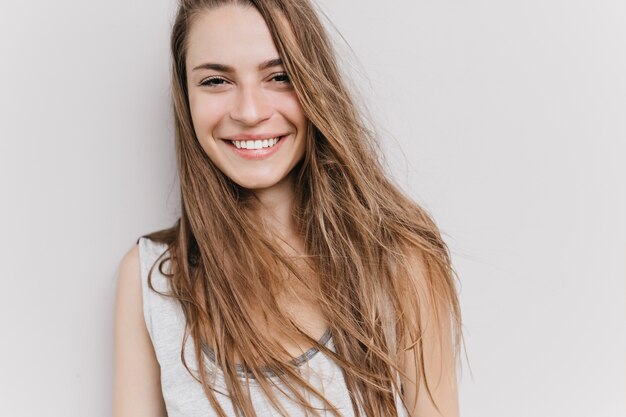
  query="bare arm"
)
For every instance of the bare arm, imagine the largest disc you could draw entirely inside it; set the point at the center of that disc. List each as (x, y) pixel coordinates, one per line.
(137, 386)
(439, 362)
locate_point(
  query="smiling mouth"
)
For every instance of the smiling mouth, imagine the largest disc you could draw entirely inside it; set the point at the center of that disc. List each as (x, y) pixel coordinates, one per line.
(256, 144)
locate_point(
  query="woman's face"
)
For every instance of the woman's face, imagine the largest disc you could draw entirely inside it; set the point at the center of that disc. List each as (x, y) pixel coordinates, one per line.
(245, 111)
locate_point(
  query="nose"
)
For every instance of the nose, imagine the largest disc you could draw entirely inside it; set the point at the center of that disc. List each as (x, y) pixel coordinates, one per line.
(250, 106)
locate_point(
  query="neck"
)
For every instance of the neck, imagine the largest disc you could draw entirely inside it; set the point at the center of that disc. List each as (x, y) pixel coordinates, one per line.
(275, 208)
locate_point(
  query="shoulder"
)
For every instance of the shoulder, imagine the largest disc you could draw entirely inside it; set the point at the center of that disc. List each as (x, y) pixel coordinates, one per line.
(416, 275)
(128, 288)
(137, 388)
(428, 293)
(134, 267)
(429, 360)
(130, 262)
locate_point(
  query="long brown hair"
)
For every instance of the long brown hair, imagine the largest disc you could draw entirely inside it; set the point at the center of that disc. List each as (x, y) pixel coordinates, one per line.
(361, 235)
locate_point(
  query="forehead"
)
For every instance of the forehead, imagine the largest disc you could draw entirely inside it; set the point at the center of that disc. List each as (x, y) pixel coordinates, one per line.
(232, 35)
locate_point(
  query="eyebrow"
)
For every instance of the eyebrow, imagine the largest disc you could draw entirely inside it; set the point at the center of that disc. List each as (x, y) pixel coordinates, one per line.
(270, 63)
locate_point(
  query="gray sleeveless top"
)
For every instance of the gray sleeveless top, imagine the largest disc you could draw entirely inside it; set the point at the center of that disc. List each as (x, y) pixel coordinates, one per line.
(184, 396)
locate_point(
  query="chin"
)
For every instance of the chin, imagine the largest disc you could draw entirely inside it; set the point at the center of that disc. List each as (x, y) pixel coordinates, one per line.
(255, 184)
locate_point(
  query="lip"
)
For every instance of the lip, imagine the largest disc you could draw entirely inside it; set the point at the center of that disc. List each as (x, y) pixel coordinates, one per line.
(257, 154)
(258, 136)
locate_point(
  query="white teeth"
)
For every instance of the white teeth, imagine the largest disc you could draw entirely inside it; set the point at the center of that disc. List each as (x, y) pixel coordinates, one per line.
(255, 144)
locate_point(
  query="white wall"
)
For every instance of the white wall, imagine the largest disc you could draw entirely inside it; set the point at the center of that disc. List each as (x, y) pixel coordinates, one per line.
(504, 119)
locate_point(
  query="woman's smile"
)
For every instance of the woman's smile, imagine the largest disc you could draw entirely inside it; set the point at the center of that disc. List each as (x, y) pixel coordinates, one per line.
(245, 110)
(256, 149)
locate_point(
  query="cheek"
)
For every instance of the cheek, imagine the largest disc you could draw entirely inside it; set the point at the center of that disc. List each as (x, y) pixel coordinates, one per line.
(289, 106)
(205, 114)
(297, 113)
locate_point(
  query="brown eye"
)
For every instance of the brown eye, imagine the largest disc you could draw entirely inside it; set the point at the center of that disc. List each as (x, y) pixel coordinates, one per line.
(213, 81)
(282, 78)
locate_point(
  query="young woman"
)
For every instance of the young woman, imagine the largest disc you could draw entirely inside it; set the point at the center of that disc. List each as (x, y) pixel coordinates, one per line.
(298, 280)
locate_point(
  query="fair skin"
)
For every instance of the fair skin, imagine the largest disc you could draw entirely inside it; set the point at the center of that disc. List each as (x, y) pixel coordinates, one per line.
(249, 94)
(439, 362)
(238, 88)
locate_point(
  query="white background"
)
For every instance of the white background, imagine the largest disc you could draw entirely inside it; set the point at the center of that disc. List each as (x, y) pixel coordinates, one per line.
(506, 120)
